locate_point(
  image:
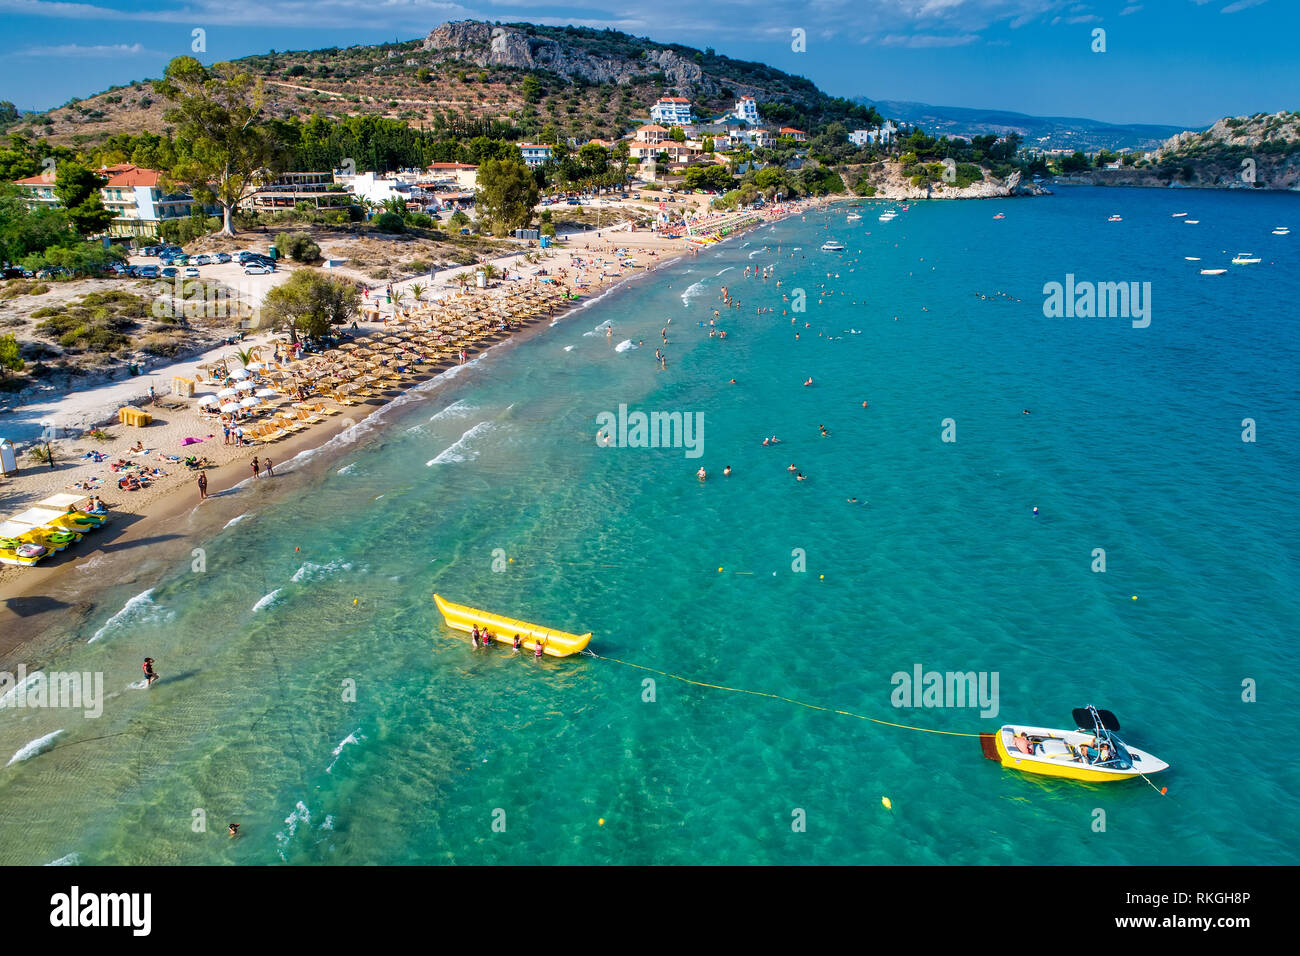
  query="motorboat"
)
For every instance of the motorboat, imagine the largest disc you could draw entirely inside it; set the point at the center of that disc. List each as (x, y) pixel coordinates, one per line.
(853, 217)
(1192, 258)
(1093, 752)
(1213, 272)
(1000, 216)
(1281, 231)
(1177, 215)
(830, 245)
(1192, 222)
(1115, 219)
(1244, 259)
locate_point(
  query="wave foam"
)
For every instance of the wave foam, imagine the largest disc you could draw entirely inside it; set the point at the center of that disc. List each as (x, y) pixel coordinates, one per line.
(459, 450)
(30, 750)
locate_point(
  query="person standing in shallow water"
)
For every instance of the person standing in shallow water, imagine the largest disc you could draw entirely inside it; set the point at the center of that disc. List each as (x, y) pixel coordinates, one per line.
(203, 486)
(256, 467)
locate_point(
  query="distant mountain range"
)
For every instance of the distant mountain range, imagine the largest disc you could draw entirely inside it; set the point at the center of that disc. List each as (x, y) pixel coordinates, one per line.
(1044, 132)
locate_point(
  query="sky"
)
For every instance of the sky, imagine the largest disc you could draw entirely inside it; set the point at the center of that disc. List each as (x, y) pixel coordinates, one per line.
(1175, 62)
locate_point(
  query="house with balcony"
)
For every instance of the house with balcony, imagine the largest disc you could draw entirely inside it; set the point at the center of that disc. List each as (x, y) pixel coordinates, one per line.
(883, 135)
(134, 195)
(789, 132)
(746, 110)
(286, 190)
(464, 175)
(651, 133)
(672, 111)
(536, 154)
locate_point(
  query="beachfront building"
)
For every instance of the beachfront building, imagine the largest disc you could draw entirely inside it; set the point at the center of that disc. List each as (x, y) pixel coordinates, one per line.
(133, 194)
(535, 154)
(672, 111)
(746, 109)
(286, 190)
(464, 175)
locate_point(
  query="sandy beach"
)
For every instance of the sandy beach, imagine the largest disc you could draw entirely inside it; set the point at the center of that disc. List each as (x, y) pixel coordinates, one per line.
(585, 264)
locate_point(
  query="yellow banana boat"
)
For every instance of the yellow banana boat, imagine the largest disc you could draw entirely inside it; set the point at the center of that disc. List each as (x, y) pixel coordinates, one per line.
(554, 643)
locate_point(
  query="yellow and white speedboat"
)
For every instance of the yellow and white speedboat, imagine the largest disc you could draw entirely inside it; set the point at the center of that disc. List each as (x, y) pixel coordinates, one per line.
(1096, 755)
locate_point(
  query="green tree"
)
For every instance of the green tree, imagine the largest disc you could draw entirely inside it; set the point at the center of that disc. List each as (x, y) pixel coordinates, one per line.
(309, 304)
(531, 89)
(24, 230)
(78, 190)
(458, 219)
(390, 222)
(217, 114)
(677, 134)
(11, 359)
(506, 194)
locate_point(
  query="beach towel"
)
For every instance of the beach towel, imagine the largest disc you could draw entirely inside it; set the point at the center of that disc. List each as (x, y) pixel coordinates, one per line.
(190, 441)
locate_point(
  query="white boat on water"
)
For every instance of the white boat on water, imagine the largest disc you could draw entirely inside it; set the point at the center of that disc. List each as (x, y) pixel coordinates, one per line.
(1116, 218)
(830, 245)
(853, 217)
(1094, 752)
(888, 216)
(1192, 222)
(1192, 258)
(1244, 259)
(1213, 272)
(1281, 231)
(1177, 215)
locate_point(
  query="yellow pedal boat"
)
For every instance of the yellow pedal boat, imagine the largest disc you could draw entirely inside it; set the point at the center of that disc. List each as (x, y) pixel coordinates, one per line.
(503, 629)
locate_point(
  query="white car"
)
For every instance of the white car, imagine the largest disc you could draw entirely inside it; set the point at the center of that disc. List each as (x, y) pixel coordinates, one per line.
(257, 269)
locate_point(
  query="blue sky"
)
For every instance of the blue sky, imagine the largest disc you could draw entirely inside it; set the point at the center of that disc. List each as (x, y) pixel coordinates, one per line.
(1180, 62)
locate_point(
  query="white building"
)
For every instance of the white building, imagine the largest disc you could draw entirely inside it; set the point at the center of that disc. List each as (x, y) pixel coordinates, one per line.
(883, 135)
(535, 154)
(746, 109)
(133, 194)
(672, 111)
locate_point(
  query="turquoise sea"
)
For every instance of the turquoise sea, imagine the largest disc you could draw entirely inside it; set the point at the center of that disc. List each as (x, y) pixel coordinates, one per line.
(1133, 445)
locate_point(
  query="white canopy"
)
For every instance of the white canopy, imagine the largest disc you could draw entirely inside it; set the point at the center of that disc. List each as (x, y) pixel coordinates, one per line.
(12, 529)
(240, 373)
(64, 501)
(209, 400)
(227, 393)
(250, 402)
(267, 393)
(255, 367)
(230, 407)
(37, 517)
(245, 387)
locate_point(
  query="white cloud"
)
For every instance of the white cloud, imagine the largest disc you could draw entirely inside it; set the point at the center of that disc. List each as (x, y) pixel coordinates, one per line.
(78, 50)
(1131, 8)
(927, 40)
(1241, 5)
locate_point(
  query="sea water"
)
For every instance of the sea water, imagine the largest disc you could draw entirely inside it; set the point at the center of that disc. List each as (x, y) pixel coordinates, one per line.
(311, 693)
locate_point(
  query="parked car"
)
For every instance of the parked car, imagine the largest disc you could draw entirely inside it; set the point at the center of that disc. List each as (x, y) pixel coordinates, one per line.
(13, 272)
(191, 273)
(258, 269)
(259, 260)
(179, 260)
(573, 202)
(203, 260)
(149, 272)
(169, 272)
(222, 257)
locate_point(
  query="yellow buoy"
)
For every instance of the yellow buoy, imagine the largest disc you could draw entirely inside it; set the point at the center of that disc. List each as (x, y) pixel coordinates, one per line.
(511, 560)
(821, 577)
(601, 822)
(886, 803)
(719, 570)
(1135, 597)
(354, 602)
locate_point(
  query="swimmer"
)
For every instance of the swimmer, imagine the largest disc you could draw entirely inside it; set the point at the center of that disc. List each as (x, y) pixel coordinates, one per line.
(732, 382)
(807, 383)
(864, 404)
(727, 470)
(825, 433)
(701, 474)
(1024, 411)
(799, 476)
(853, 501)
(792, 468)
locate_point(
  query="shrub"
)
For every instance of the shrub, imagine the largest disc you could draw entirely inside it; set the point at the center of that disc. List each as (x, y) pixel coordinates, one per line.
(420, 220)
(390, 222)
(300, 247)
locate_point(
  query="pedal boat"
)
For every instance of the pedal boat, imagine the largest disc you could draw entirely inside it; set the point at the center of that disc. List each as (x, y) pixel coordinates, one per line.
(503, 629)
(1095, 755)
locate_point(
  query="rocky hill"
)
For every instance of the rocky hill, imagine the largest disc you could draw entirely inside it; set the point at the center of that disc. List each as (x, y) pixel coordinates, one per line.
(1243, 152)
(584, 82)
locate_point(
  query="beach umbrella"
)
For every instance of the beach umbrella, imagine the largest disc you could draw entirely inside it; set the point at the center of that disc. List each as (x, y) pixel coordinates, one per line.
(250, 402)
(256, 367)
(208, 400)
(227, 393)
(267, 393)
(230, 407)
(240, 373)
(245, 387)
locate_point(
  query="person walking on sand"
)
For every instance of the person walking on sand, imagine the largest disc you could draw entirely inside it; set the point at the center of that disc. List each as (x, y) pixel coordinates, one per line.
(256, 467)
(203, 486)
(49, 455)
(270, 472)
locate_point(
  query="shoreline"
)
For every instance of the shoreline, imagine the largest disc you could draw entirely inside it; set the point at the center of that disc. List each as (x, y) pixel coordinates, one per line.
(54, 597)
